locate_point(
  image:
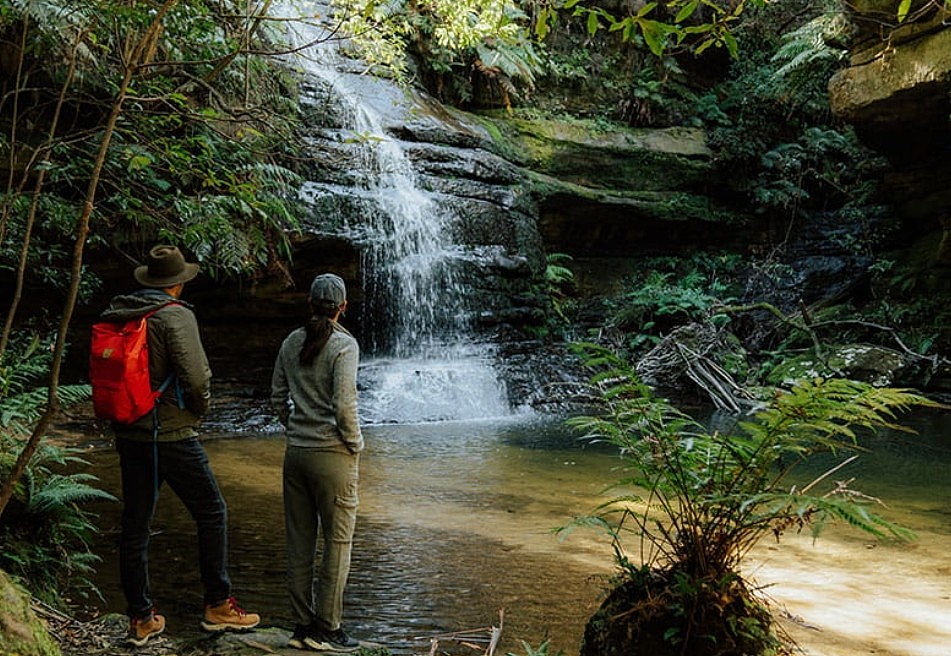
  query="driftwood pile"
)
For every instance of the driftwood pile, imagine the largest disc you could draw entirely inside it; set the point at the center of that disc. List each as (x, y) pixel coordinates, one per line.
(691, 352)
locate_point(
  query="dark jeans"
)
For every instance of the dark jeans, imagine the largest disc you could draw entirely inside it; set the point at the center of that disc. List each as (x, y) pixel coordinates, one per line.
(184, 466)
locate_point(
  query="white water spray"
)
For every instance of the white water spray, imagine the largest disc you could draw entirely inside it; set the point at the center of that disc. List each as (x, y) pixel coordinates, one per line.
(421, 363)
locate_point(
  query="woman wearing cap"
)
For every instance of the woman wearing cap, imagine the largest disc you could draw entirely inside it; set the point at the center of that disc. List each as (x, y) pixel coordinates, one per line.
(314, 392)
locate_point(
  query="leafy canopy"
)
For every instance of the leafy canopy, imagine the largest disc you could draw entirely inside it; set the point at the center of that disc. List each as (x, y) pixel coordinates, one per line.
(695, 25)
(193, 157)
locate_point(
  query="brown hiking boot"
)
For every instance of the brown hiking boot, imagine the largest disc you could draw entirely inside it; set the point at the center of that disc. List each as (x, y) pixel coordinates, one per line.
(143, 629)
(227, 616)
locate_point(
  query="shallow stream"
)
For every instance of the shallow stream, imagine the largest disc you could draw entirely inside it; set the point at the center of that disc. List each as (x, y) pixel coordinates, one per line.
(456, 524)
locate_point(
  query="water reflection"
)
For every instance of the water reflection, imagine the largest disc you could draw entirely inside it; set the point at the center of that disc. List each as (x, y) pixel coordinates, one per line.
(455, 523)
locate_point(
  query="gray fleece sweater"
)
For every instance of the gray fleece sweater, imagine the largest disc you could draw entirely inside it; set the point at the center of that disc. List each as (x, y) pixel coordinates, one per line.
(318, 403)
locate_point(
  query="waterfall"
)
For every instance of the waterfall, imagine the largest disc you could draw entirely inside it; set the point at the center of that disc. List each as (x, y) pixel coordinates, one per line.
(420, 363)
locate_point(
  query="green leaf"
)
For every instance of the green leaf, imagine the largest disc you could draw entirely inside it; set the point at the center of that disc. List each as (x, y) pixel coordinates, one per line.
(542, 23)
(593, 23)
(139, 162)
(655, 35)
(903, 7)
(646, 9)
(731, 45)
(687, 11)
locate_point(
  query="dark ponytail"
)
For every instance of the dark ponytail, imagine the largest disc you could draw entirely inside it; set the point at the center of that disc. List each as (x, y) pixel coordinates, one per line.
(318, 329)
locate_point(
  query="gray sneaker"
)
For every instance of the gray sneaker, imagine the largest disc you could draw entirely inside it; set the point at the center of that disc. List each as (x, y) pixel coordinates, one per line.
(336, 641)
(296, 640)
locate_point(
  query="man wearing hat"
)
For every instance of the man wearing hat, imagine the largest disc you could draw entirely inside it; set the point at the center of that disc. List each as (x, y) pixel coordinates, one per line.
(163, 447)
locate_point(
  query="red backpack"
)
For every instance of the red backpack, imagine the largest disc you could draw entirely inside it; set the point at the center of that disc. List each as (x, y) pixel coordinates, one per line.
(119, 370)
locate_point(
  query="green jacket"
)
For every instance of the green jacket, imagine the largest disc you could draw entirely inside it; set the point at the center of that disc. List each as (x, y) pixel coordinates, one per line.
(174, 346)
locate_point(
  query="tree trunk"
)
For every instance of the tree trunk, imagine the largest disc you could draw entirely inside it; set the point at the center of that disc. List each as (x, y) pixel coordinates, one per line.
(143, 46)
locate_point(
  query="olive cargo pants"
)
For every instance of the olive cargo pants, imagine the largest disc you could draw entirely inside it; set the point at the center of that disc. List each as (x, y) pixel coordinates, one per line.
(320, 501)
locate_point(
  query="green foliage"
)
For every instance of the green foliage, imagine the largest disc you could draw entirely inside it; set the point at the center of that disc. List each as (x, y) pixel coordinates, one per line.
(558, 290)
(47, 261)
(479, 51)
(193, 159)
(572, 65)
(820, 165)
(697, 500)
(700, 500)
(556, 273)
(773, 129)
(22, 396)
(45, 532)
(516, 60)
(911, 298)
(558, 276)
(808, 45)
(658, 94)
(693, 25)
(666, 292)
(487, 52)
(541, 650)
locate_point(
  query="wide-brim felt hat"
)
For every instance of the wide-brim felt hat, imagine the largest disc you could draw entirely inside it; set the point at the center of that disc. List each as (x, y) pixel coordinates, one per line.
(165, 267)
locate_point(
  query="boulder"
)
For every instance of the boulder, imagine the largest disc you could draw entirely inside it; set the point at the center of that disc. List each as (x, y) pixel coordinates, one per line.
(22, 633)
(895, 92)
(865, 363)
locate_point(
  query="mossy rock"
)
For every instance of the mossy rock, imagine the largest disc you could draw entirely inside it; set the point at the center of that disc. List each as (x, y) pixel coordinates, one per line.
(661, 613)
(615, 157)
(22, 633)
(861, 362)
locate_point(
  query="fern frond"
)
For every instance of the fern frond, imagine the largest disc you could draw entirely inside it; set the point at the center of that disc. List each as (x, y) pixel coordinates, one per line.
(807, 45)
(273, 176)
(704, 498)
(61, 490)
(515, 60)
(860, 517)
(19, 412)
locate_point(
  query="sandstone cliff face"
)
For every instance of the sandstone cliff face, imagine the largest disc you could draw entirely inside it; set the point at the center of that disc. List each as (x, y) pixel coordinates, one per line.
(896, 94)
(513, 190)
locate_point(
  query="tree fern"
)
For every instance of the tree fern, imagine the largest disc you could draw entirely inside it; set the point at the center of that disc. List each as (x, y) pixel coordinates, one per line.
(517, 60)
(702, 499)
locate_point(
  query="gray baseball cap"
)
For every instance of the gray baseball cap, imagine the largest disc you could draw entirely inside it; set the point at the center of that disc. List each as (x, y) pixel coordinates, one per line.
(329, 287)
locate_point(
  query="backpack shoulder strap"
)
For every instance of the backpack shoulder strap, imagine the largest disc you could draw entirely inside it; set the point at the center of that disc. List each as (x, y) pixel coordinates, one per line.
(172, 375)
(162, 306)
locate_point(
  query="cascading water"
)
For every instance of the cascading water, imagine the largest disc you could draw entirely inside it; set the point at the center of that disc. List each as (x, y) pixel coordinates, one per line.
(420, 363)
